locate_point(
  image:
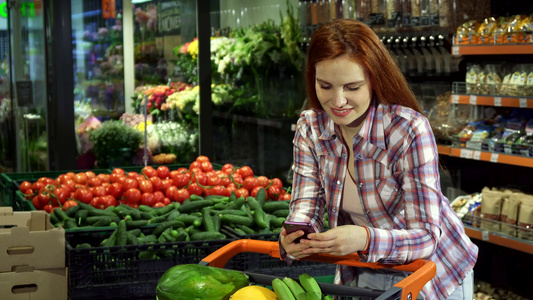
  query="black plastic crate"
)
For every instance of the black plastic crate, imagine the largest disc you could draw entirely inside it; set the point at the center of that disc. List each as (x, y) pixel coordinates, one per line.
(122, 272)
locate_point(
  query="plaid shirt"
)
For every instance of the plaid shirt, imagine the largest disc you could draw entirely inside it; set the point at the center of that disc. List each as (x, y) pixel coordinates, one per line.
(396, 172)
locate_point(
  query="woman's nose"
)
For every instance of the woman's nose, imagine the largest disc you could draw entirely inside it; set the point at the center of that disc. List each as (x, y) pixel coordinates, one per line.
(339, 99)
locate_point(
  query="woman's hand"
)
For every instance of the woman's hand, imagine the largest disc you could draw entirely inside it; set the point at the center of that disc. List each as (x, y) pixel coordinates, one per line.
(339, 241)
(292, 248)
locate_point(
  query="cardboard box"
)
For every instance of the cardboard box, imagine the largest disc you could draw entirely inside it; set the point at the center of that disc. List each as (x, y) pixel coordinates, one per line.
(28, 284)
(28, 239)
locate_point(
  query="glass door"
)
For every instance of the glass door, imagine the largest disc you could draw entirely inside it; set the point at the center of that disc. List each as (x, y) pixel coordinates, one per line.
(28, 80)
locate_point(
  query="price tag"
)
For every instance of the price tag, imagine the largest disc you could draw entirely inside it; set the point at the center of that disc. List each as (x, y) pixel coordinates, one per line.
(485, 235)
(497, 101)
(473, 99)
(523, 102)
(494, 157)
(455, 50)
(455, 99)
(477, 155)
(465, 153)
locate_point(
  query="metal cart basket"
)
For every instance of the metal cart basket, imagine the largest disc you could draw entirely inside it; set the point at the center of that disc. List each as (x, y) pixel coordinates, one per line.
(407, 289)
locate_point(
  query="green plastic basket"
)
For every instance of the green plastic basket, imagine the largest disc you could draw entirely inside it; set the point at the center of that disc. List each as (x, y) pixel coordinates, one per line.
(9, 185)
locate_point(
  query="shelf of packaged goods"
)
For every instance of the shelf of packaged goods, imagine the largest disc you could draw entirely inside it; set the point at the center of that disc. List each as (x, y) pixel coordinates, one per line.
(491, 237)
(507, 101)
(494, 157)
(492, 49)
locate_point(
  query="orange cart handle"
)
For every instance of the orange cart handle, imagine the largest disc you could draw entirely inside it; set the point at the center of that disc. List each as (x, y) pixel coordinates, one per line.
(422, 270)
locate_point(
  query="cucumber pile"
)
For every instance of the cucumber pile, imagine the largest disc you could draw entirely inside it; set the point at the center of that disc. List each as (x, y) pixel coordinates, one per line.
(306, 289)
(198, 218)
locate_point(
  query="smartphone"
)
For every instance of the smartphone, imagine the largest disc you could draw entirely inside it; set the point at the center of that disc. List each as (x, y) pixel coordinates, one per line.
(291, 227)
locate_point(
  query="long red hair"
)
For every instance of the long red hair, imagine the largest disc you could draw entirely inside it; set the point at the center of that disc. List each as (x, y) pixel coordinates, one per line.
(355, 39)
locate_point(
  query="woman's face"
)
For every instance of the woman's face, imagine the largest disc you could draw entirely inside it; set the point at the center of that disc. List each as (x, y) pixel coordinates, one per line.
(343, 90)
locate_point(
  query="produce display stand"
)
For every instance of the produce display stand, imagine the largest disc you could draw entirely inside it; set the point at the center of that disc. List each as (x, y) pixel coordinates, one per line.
(407, 289)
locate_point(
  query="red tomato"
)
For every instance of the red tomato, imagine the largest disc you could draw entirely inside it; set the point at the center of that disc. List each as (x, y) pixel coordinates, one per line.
(263, 181)
(169, 192)
(70, 185)
(163, 172)
(99, 191)
(206, 166)
(97, 202)
(59, 196)
(213, 180)
(148, 199)
(156, 183)
(195, 189)
(104, 177)
(94, 181)
(250, 183)
(36, 186)
(133, 175)
(227, 168)
(70, 175)
(69, 203)
(256, 189)
(48, 208)
(90, 174)
(159, 196)
(108, 200)
(165, 183)
(231, 188)
(200, 178)
(28, 194)
(202, 158)
(24, 186)
(80, 178)
(218, 190)
(149, 171)
(146, 186)
(130, 183)
(242, 192)
(166, 201)
(83, 195)
(133, 196)
(277, 182)
(180, 180)
(160, 204)
(180, 195)
(245, 171)
(182, 170)
(237, 178)
(285, 196)
(118, 171)
(273, 192)
(115, 190)
(194, 165)
(44, 197)
(36, 203)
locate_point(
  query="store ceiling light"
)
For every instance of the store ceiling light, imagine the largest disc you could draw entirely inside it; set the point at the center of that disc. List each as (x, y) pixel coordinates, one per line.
(139, 1)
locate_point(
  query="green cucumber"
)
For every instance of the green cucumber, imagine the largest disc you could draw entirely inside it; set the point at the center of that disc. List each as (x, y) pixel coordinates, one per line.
(194, 206)
(207, 235)
(71, 211)
(236, 220)
(272, 206)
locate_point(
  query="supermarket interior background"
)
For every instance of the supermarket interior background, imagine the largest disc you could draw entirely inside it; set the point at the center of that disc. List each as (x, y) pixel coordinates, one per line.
(95, 85)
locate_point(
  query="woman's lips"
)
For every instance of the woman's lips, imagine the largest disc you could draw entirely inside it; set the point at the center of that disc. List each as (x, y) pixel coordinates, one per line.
(341, 112)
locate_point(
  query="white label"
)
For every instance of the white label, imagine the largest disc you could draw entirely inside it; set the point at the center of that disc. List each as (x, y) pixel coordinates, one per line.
(465, 153)
(455, 99)
(473, 99)
(485, 235)
(523, 102)
(477, 155)
(293, 127)
(494, 157)
(455, 50)
(497, 101)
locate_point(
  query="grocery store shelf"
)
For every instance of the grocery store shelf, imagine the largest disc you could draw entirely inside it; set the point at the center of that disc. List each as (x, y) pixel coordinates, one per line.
(491, 49)
(494, 157)
(491, 237)
(507, 101)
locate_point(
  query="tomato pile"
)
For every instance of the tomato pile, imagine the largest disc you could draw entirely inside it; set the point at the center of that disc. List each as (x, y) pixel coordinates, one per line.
(155, 187)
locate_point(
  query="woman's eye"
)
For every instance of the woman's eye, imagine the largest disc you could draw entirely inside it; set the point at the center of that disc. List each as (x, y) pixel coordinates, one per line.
(325, 87)
(352, 88)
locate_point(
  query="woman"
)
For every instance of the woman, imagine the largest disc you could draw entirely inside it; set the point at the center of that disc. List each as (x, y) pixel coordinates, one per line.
(364, 150)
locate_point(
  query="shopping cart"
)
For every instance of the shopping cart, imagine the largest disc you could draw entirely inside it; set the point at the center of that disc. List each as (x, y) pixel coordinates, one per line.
(406, 289)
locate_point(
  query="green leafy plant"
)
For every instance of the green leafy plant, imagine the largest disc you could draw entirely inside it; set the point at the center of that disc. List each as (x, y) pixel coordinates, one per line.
(115, 143)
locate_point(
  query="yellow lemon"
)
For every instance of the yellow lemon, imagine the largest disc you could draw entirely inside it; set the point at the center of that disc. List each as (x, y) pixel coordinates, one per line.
(254, 292)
